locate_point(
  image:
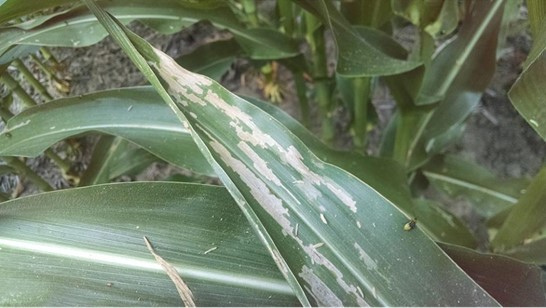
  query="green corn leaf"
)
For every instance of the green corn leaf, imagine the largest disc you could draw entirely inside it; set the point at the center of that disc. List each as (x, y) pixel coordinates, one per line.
(356, 56)
(533, 250)
(527, 93)
(487, 193)
(85, 247)
(15, 52)
(124, 113)
(330, 234)
(451, 88)
(441, 225)
(511, 282)
(12, 9)
(469, 52)
(113, 157)
(131, 160)
(537, 15)
(107, 111)
(468, 64)
(527, 218)
(77, 27)
(212, 60)
(438, 18)
(375, 13)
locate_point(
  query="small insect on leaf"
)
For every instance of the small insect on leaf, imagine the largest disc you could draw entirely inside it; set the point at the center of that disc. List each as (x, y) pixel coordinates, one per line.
(410, 225)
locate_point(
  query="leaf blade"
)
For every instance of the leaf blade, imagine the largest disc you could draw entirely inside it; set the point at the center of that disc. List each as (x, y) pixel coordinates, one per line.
(225, 129)
(526, 218)
(356, 56)
(301, 165)
(93, 252)
(122, 112)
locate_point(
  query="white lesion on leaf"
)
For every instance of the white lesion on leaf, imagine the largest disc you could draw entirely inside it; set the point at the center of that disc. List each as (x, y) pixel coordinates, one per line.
(319, 259)
(274, 206)
(14, 127)
(309, 190)
(259, 163)
(320, 291)
(193, 88)
(368, 261)
(323, 218)
(261, 167)
(258, 188)
(342, 194)
(178, 77)
(323, 294)
(293, 158)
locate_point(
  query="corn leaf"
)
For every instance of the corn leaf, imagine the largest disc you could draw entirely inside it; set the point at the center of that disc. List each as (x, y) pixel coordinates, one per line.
(527, 93)
(451, 87)
(112, 157)
(77, 27)
(468, 64)
(103, 111)
(356, 56)
(459, 178)
(527, 218)
(84, 247)
(438, 18)
(124, 113)
(12, 9)
(533, 251)
(537, 15)
(511, 282)
(212, 60)
(330, 234)
(441, 225)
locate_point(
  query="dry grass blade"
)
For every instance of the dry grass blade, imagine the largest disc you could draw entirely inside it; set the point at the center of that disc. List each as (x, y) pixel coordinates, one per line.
(183, 289)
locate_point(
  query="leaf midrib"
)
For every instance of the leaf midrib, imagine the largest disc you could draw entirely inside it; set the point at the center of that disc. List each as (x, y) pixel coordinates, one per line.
(148, 265)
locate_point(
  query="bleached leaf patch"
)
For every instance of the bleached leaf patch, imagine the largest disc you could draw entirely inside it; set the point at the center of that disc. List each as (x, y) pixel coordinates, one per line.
(262, 181)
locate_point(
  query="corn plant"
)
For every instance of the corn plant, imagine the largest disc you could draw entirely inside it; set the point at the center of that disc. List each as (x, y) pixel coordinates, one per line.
(295, 222)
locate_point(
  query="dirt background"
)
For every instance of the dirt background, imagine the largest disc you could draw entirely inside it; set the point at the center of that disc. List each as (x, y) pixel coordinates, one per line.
(496, 137)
